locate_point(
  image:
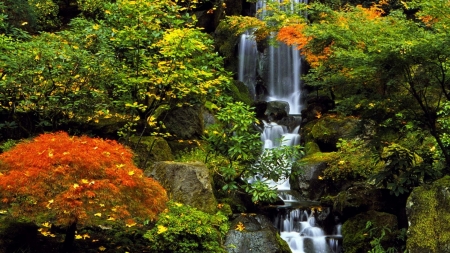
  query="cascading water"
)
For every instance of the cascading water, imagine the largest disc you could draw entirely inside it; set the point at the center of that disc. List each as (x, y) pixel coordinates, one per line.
(279, 68)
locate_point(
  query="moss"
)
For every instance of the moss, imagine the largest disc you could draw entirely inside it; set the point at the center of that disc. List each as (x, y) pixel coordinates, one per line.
(318, 157)
(327, 130)
(239, 92)
(357, 238)
(429, 218)
(311, 148)
(151, 148)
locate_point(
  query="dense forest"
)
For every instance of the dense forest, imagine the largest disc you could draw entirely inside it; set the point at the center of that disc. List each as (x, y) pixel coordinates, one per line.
(75, 71)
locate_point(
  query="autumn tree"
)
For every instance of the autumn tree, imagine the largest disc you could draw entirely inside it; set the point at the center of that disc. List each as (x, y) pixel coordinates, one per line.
(64, 180)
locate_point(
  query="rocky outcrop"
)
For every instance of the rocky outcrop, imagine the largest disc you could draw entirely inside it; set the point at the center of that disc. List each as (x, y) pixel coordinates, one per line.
(254, 233)
(428, 211)
(357, 236)
(187, 183)
(184, 122)
(149, 149)
(327, 130)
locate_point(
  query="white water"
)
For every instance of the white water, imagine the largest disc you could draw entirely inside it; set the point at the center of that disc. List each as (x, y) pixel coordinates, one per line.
(280, 70)
(279, 67)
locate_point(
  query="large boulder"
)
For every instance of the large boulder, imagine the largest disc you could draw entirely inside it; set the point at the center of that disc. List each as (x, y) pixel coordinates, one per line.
(357, 236)
(187, 183)
(254, 233)
(328, 129)
(428, 210)
(184, 122)
(310, 183)
(149, 149)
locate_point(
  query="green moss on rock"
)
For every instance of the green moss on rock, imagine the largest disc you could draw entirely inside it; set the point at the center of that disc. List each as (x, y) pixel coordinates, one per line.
(327, 130)
(428, 209)
(150, 149)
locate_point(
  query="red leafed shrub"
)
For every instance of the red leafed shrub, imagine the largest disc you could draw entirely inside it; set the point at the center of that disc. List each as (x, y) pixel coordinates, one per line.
(67, 180)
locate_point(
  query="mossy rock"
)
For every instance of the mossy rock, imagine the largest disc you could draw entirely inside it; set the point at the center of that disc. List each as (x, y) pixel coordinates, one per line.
(239, 92)
(150, 149)
(327, 130)
(428, 210)
(310, 183)
(357, 238)
(311, 148)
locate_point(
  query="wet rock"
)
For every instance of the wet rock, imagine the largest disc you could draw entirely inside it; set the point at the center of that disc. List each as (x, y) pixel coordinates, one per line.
(428, 211)
(187, 183)
(277, 110)
(256, 234)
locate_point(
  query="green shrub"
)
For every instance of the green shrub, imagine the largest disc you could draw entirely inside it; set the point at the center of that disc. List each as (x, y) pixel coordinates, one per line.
(182, 228)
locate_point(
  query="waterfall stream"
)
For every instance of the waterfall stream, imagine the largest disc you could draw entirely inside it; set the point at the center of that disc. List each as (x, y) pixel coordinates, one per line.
(279, 69)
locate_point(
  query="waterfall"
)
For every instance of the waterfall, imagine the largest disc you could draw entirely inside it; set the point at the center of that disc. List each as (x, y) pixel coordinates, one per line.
(279, 69)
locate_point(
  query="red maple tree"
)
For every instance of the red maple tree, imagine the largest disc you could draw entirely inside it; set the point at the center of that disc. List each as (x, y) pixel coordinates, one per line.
(67, 180)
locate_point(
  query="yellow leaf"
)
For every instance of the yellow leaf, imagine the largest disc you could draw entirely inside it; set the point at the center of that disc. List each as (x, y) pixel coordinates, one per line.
(86, 236)
(101, 248)
(51, 201)
(24, 23)
(120, 165)
(131, 172)
(161, 229)
(85, 181)
(107, 11)
(131, 224)
(98, 214)
(37, 57)
(46, 224)
(240, 226)
(96, 26)
(78, 237)
(111, 219)
(75, 186)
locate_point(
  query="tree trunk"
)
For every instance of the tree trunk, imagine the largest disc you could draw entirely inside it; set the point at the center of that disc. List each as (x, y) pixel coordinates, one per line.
(70, 238)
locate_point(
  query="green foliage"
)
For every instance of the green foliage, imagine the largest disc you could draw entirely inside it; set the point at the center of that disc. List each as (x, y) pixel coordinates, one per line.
(185, 229)
(353, 161)
(235, 138)
(377, 240)
(403, 170)
(134, 62)
(7, 145)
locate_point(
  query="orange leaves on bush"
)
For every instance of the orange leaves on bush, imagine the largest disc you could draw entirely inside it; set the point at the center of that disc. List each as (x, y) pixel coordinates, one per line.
(60, 178)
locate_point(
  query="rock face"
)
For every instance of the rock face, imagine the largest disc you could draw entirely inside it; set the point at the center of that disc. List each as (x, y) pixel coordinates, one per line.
(187, 183)
(428, 210)
(257, 235)
(327, 130)
(185, 122)
(356, 238)
(277, 110)
(156, 148)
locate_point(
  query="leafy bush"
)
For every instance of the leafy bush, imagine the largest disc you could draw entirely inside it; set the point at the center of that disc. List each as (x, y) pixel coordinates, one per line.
(403, 170)
(183, 228)
(65, 180)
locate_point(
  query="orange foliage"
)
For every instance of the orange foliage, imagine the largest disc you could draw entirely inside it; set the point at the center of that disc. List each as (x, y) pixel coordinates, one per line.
(61, 179)
(293, 35)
